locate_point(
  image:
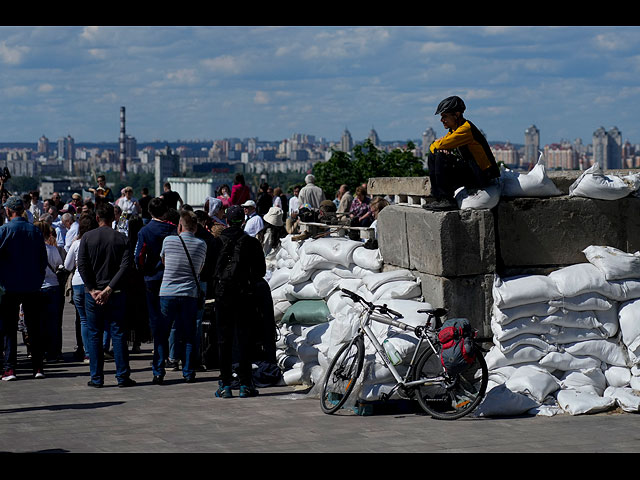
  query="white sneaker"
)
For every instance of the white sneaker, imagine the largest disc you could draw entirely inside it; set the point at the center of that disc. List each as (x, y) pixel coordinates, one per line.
(39, 374)
(8, 376)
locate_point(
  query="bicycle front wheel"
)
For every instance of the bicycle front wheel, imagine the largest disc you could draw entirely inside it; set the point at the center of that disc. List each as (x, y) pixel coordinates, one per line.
(449, 397)
(341, 375)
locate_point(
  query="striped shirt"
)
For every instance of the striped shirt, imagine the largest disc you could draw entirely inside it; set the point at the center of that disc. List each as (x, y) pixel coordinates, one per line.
(177, 279)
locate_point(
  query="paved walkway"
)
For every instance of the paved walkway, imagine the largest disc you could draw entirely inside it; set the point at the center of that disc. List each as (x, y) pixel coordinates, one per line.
(61, 414)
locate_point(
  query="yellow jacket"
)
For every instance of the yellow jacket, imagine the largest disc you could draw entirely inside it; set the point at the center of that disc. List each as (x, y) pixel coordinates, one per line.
(471, 145)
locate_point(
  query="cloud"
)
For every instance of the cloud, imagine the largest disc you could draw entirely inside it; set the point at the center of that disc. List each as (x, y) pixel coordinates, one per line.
(45, 88)
(224, 64)
(261, 98)
(12, 55)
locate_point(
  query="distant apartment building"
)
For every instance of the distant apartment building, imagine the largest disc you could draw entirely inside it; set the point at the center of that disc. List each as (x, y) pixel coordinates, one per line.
(43, 146)
(373, 136)
(506, 153)
(607, 148)
(346, 142)
(561, 156)
(531, 146)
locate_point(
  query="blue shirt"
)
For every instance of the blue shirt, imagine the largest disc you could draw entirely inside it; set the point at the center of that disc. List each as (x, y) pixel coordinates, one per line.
(23, 256)
(178, 279)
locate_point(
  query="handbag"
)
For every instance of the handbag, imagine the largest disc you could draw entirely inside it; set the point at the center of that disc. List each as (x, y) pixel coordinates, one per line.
(201, 295)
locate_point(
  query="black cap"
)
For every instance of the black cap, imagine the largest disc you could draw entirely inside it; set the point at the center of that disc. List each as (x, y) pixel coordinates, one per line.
(451, 104)
(235, 214)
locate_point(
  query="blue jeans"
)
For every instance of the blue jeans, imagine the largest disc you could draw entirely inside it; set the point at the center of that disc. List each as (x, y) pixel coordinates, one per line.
(78, 302)
(160, 328)
(110, 316)
(52, 321)
(182, 312)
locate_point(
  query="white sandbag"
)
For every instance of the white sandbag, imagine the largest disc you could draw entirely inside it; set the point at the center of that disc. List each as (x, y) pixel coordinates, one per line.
(629, 318)
(280, 294)
(538, 309)
(279, 277)
(510, 344)
(572, 319)
(352, 271)
(567, 335)
(565, 361)
(377, 279)
(290, 247)
(293, 376)
(317, 334)
(521, 326)
(635, 382)
(534, 382)
(502, 374)
(607, 350)
(369, 259)
(500, 401)
(302, 291)
(608, 320)
(535, 183)
(579, 403)
(399, 289)
(325, 282)
(613, 263)
(308, 354)
(593, 183)
(495, 358)
(626, 398)
(583, 278)
(618, 376)
(583, 302)
(338, 250)
(585, 380)
(515, 291)
(478, 199)
(285, 262)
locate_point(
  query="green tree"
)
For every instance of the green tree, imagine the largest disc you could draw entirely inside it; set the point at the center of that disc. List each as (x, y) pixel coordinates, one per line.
(366, 162)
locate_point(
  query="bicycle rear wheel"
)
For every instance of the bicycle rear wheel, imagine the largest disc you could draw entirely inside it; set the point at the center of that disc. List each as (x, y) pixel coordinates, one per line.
(449, 397)
(341, 375)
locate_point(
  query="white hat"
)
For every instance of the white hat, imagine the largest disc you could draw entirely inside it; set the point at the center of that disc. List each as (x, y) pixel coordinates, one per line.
(274, 217)
(249, 203)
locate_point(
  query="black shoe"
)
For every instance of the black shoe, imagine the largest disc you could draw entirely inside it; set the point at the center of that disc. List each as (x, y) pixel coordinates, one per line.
(127, 382)
(157, 380)
(191, 379)
(94, 385)
(441, 205)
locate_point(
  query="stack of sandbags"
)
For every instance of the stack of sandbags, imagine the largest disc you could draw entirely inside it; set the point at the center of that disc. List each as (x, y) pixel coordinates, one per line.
(312, 272)
(567, 340)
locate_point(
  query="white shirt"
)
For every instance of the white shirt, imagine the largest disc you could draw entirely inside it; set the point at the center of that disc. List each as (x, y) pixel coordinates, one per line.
(254, 224)
(71, 262)
(71, 235)
(54, 259)
(294, 204)
(127, 205)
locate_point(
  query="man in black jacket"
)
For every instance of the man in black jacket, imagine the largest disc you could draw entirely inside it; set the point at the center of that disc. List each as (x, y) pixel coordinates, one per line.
(240, 266)
(103, 262)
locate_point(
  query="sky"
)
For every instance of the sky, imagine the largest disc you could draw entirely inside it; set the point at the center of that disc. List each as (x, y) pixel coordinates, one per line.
(213, 82)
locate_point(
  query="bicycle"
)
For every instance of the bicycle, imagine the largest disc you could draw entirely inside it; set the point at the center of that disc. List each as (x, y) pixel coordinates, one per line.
(441, 395)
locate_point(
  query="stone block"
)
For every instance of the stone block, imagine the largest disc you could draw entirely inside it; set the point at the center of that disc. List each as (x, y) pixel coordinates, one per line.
(455, 243)
(468, 297)
(554, 231)
(412, 186)
(392, 236)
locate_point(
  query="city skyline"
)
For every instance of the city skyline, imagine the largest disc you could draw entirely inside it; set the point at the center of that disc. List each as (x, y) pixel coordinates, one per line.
(270, 82)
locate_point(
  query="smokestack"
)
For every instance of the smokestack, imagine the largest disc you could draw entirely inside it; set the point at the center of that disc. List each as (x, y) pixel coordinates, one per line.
(123, 160)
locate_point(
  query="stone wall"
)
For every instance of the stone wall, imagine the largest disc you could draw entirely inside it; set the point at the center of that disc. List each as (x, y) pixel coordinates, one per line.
(457, 254)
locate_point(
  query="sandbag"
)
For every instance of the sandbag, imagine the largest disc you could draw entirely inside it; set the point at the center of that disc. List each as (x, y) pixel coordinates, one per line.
(535, 183)
(520, 290)
(607, 350)
(618, 376)
(377, 279)
(593, 183)
(629, 318)
(565, 361)
(613, 263)
(626, 398)
(369, 259)
(582, 302)
(337, 250)
(583, 278)
(532, 381)
(495, 358)
(477, 199)
(399, 289)
(500, 401)
(579, 403)
(505, 316)
(589, 380)
(307, 312)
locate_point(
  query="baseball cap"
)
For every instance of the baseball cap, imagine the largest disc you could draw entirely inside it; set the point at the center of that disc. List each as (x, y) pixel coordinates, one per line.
(249, 203)
(14, 203)
(235, 214)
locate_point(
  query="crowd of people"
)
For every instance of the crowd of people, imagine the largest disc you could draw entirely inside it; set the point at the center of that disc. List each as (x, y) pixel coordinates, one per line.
(145, 269)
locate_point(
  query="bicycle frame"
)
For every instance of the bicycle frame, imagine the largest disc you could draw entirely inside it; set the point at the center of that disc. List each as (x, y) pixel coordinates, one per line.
(400, 381)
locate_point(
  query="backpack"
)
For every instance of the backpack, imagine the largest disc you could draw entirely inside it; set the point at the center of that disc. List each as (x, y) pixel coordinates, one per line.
(458, 350)
(230, 277)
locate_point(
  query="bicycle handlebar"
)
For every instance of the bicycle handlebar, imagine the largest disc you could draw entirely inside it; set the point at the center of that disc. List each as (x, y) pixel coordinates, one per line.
(383, 309)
